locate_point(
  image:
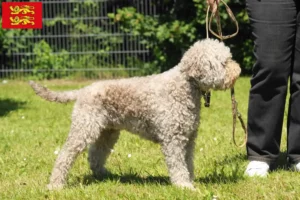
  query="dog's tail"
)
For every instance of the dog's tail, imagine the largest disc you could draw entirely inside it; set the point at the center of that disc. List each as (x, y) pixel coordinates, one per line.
(61, 97)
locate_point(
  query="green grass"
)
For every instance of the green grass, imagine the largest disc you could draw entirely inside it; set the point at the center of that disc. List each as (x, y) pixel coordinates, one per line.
(31, 130)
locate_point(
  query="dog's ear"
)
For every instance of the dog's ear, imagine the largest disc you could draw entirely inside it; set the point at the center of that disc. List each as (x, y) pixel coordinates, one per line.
(194, 70)
(192, 60)
(205, 62)
(206, 70)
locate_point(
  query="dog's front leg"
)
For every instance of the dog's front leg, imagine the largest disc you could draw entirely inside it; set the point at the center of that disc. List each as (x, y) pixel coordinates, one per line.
(175, 152)
(190, 155)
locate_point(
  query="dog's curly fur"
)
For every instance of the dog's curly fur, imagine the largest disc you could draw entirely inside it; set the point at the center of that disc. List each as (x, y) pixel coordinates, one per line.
(163, 108)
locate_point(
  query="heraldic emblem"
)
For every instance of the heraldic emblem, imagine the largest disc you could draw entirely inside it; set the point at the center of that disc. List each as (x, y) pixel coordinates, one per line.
(22, 15)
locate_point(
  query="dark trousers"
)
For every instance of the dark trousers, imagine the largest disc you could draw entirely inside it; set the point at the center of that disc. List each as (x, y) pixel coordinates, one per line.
(276, 29)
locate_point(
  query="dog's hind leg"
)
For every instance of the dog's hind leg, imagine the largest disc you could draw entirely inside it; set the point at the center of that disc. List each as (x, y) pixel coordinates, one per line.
(100, 150)
(84, 131)
(64, 161)
(175, 154)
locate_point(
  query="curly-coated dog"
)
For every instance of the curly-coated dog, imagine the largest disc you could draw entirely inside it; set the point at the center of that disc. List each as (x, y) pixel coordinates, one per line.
(163, 108)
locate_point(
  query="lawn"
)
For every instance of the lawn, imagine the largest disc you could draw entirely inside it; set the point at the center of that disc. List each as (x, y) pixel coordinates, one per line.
(33, 130)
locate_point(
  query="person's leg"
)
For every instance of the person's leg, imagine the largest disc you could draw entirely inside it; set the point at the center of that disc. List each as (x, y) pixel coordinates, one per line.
(294, 106)
(274, 26)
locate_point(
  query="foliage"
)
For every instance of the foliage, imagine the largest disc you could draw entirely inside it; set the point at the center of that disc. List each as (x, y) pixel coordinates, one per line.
(170, 34)
(48, 58)
(9, 43)
(166, 40)
(33, 131)
(167, 35)
(45, 63)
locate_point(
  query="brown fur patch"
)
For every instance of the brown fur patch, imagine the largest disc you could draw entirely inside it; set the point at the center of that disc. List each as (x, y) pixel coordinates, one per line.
(123, 100)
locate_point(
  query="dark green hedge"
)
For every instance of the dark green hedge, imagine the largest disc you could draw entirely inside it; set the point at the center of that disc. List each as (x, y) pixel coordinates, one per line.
(171, 33)
(167, 35)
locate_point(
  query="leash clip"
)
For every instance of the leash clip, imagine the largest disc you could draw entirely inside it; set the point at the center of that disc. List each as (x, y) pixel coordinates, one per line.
(206, 96)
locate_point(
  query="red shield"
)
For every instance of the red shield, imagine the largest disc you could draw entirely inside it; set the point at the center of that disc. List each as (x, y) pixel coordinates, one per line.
(22, 15)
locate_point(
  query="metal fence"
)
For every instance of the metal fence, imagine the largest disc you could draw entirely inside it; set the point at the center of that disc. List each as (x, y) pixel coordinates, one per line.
(78, 40)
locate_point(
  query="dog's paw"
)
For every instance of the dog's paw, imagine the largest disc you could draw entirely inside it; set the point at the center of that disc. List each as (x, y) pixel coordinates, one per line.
(52, 187)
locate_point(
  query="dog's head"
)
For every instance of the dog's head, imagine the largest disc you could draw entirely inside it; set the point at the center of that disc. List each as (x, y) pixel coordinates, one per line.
(209, 62)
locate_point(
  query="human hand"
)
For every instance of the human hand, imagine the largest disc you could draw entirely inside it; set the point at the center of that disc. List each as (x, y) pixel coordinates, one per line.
(213, 4)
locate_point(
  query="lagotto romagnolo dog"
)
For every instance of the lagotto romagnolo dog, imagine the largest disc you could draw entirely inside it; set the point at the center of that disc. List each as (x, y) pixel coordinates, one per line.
(163, 108)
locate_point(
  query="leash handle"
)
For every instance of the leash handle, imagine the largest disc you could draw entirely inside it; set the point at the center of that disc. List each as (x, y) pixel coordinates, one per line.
(215, 14)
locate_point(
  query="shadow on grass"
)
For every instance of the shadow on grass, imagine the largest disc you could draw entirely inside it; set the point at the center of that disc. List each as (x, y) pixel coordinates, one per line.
(217, 176)
(8, 105)
(221, 175)
(127, 178)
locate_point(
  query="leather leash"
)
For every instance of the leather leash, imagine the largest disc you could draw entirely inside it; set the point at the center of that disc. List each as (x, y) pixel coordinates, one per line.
(235, 112)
